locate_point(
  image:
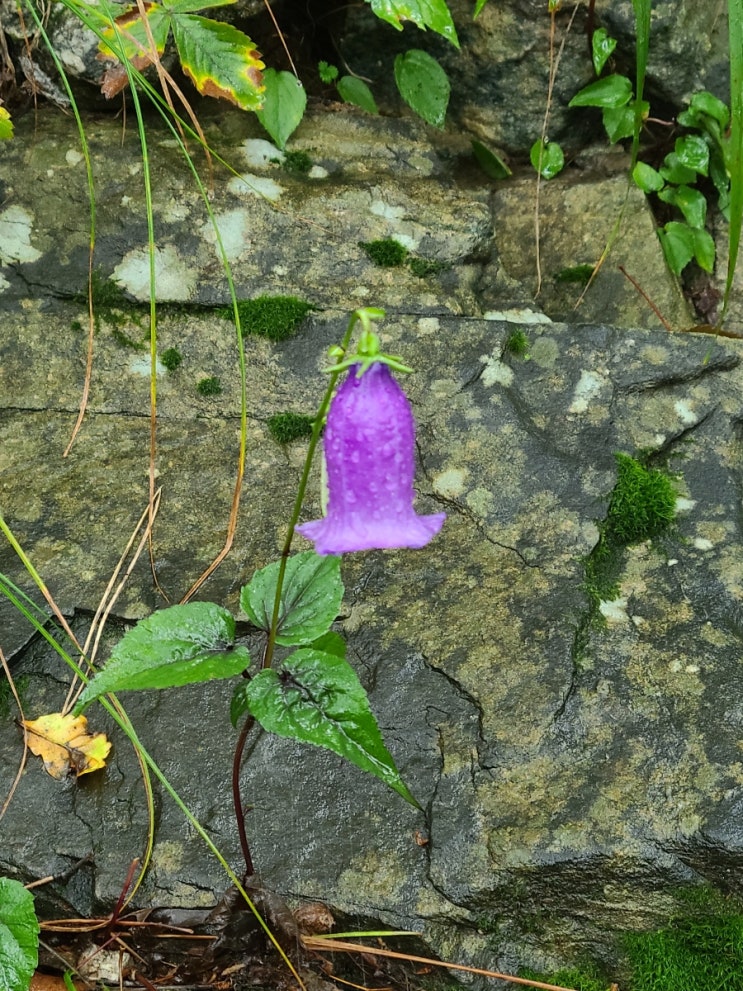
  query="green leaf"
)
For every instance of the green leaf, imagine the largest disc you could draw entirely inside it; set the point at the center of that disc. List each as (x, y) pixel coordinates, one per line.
(327, 73)
(675, 171)
(611, 91)
(693, 152)
(284, 100)
(478, 9)
(489, 162)
(423, 85)
(19, 936)
(193, 6)
(310, 597)
(355, 91)
(317, 698)
(704, 250)
(220, 60)
(704, 104)
(6, 125)
(432, 14)
(129, 36)
(330, 643)
(689, 201)
(647, 178)
(176, 646)
(547, 159)
(677, 241)
(601, 48)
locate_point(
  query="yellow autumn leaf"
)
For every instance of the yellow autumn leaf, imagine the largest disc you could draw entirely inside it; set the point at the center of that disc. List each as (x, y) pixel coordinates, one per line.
(65, 745)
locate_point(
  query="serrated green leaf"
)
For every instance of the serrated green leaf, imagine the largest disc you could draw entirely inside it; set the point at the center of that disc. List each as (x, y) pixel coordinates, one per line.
(284, 100)
(647, 178)
(704, 250)
(356, 92)
(677, 241)
(129, 36)
(327, 73)
(220, 60)
(675, 171)
(310, 597)
(611, 91)
(6, 125)
(19, 936)
(423, 85)
(689, 201)
(193, 6)
(601, 48)
(693, 152)
(432, 14)
(489, 162)
(317, 698)
(175, 646)
(547, 159)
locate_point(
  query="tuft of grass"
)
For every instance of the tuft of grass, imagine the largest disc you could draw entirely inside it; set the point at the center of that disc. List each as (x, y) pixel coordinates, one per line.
(387, 252)
(274, 317)
(209, 386)
(569, 977)
(517, 344)
(704, 953)
(297, 161)
(171, 358)
(286, 427)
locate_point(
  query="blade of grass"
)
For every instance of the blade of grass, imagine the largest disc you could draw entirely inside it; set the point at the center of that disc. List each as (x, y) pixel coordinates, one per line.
(735, 155)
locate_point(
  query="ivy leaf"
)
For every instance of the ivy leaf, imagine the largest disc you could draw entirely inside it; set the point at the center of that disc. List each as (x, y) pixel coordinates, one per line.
(601, 48)
(423, 85)
(356, 92)
(701, 105)
(19, 935)
(690, 202)
(619, 122)
(432, 14)
(647, 178)
(310, 597)
(176, 646)
(611, 91)
(677, 241)
(220, 60)
(704, 249)
(547, 158)
(674, 170)
(284, 100)
(317, 698)
(489, 162)
(693, 152)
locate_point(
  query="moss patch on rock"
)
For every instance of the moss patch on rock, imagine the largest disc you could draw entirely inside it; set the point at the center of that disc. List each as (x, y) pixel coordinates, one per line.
(274, 317)
(288, 426)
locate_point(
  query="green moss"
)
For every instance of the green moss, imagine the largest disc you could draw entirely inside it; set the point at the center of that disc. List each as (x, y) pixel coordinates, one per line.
(642, 505)
(297, 161)
(107, 294)
(125, 341)
(286, 427)
(703, 953)
(209, 386)
(387, 253)
(570, 977)
(275, 317)
(171, 359)
(576, 274)
(7, 702)
(517, 344)
(423, 267)
(76, 326)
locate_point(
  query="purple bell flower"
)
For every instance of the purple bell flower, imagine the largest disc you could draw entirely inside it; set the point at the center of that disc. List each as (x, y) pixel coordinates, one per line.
(370, 461)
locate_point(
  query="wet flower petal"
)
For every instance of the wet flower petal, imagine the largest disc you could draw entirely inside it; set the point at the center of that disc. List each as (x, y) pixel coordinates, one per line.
(370, 460)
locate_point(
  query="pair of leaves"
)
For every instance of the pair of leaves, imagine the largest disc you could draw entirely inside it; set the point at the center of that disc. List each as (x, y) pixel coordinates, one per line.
(219, 59)
(19, 936)
(682, 243)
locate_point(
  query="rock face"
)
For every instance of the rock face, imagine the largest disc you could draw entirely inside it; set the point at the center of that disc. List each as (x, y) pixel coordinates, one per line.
(577, 757)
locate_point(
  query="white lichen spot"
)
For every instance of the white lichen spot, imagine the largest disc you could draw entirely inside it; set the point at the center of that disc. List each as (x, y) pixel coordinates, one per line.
(15, 236)
(174, 279)
(259, 154)
(544, 352)
(672, 561)
(589, 386)
(381, 209)
(517, 316)
(684, 412)
(684, 505)
(280, 270)
(73, 156)
(495, 371)
(614, 612)
(317, 172)
(428, 325)
(411, 243)
(234, 232)
(141, 366)
(480, 501)
(254, 185)
(638, 620)
(126, 201)
(702, 544)
(692, 669)
(450, 483)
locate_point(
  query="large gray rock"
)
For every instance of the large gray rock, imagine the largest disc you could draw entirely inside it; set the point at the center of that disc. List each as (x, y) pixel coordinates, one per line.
(578, 766)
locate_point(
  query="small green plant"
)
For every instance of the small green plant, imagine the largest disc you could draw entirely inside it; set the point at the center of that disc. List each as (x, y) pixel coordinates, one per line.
(351, 89)
(517, 344)
(423, 267)
(274, 317)
(286, 427)
(577, 274)
(209, 386)
(171, 359)
(386, 252)
(297, 161)
(19, 936)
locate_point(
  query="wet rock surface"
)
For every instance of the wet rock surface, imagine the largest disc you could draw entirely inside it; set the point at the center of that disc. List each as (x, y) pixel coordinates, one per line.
(575, 774)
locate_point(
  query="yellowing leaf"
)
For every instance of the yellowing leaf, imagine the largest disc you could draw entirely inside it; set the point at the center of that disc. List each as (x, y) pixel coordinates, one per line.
(6, 125)
(65, 745)
(220, 60)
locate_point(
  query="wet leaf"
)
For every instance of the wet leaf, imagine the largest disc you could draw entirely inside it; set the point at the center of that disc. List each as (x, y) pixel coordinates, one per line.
(689, 201)
(356, 92)
(423, 85)
(693, 152)
(551, 160)
(284, 100)
(611, 91)
(65, 746)
(432, 14)
(310, 597)
(647, 178)
(677, 241)
(19, 935)
(220, 60)
(489, 162)
(317, 698)
(176, 646)
(601, 48)
(129, 37)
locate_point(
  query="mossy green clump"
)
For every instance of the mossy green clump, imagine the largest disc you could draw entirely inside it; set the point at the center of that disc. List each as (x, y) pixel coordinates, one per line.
(703, 953)
(297, 161)
(286, 427)
(209, 386)
(171, 358)
(274, 317)
(125, 341)
(423, 267)
(517, 344)
(569, 977)
(579, 274)
(387, 253)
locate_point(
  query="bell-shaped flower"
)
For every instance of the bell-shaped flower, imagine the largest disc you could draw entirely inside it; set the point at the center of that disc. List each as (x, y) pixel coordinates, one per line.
(370, 462)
